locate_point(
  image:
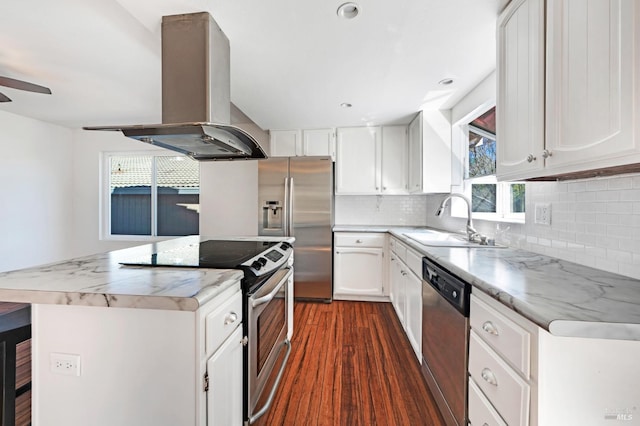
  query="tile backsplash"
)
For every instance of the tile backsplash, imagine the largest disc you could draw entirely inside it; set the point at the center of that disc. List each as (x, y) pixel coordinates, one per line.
(399, 210)
(594, 222)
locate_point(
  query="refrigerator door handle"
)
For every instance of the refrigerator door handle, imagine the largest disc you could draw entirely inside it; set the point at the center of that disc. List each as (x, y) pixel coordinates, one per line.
(290, 217)
(286, 211)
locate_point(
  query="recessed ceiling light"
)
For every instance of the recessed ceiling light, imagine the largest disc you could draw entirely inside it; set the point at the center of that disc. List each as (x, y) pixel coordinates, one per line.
(348, 10)
(346, 105)
(446, 81)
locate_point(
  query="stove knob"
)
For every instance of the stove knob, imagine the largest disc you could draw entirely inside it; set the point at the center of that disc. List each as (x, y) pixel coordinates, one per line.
(285, 246)
(256, 265)
(262, 261)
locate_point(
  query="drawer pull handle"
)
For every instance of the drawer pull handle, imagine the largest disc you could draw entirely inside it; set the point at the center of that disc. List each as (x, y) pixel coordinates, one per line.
(358, 241)
(489, 377)
(490, 328)
(230, 318)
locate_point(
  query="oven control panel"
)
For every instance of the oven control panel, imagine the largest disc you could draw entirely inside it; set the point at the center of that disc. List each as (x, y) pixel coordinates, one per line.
(270, 260)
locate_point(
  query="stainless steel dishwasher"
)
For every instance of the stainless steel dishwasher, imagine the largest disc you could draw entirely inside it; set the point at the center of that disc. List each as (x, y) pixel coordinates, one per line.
(445, 340)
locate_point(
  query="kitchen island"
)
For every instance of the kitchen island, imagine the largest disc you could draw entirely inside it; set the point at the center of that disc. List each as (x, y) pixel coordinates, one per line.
(123, 345)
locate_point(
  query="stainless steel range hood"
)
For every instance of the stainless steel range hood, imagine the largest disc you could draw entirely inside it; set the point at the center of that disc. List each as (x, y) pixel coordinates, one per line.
(196, 105)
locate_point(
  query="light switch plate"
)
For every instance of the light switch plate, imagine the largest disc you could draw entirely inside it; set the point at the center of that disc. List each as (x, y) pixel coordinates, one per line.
(543, 214)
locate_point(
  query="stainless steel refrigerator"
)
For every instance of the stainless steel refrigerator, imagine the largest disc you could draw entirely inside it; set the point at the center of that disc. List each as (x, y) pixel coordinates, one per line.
(296, 199)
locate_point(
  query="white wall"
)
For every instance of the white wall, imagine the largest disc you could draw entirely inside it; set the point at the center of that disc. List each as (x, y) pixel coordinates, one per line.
(36, 178)
(229, 198)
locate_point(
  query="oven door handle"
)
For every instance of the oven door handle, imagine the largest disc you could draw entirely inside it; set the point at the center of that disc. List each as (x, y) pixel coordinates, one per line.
(269, 297)
(272, 393)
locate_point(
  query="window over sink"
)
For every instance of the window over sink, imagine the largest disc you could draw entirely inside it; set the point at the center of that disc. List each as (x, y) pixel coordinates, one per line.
(150, 195)
(490, 199)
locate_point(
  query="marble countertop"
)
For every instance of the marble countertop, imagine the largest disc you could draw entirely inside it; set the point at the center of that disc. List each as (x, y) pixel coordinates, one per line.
(100, 280)
(562, 297)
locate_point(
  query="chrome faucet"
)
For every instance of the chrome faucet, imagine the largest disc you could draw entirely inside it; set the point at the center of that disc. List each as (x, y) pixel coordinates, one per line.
(471, 232)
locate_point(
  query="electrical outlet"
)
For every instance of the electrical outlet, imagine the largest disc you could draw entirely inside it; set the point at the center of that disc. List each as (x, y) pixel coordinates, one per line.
(67, 364)
(543, 214)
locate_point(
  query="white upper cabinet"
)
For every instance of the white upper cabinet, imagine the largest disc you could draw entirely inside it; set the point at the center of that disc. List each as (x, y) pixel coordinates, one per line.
(430, 152)
(285, 143)
(520, 103)
(302, 143)
(394, 160)
(593, 73)
(358, 160)
(371, 160)
(415, 154)
(319, 142)
(568, 92)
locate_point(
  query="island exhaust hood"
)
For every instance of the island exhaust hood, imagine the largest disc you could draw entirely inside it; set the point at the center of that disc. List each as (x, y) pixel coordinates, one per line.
(196, 106)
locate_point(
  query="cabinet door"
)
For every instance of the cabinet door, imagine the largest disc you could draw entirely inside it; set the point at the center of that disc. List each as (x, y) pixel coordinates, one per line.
(593, 73)
(319, 142)
(285, 143)
(396, 292)
(394, 160)
(358, 271)
(224, 398)
(415, 154)
(520, 81)
(414, 312)
(401, 308)
(358, 160)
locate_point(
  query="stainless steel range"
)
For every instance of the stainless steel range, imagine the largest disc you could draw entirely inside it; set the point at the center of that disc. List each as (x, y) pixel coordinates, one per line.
(266, 287)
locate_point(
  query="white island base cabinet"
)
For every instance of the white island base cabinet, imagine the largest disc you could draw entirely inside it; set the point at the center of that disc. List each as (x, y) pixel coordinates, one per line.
(139, 366)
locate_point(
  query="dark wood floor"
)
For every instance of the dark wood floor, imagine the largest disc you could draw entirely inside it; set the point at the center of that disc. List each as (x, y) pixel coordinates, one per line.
(351, 364)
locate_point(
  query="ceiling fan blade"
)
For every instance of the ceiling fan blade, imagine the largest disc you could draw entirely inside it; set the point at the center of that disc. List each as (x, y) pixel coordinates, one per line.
(23, 85)
(4, 98)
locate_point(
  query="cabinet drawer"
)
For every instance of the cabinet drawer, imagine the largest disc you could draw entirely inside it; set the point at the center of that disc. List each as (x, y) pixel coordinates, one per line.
(393, 243)
(481, 412)
(507, 391)
(506, 337)
(220, 323)
(359, 240)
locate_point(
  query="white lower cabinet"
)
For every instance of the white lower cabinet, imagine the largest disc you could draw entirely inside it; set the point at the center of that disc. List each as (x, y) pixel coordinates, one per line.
(413, 326)
(397, 291)
(506, 390)
(481, 412)
(501, 375)
(358, 262)
(406, 291)
(223, 347)
(224, 402)
(520, 374)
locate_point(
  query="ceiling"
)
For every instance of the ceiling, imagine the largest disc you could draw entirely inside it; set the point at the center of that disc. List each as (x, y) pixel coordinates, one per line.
(292, 62)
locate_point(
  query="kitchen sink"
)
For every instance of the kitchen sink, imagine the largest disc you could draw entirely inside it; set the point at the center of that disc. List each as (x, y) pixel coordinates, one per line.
(445, 239)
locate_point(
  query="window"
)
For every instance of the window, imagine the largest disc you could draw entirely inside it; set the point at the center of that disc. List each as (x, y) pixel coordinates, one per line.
(489, 199)
(151, 195)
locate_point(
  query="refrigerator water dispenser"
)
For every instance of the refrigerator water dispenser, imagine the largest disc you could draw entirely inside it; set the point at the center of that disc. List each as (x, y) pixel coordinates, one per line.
(272, 216)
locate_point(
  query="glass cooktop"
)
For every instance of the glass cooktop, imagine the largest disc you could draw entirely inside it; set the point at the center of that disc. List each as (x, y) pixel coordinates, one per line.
(222, 254)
